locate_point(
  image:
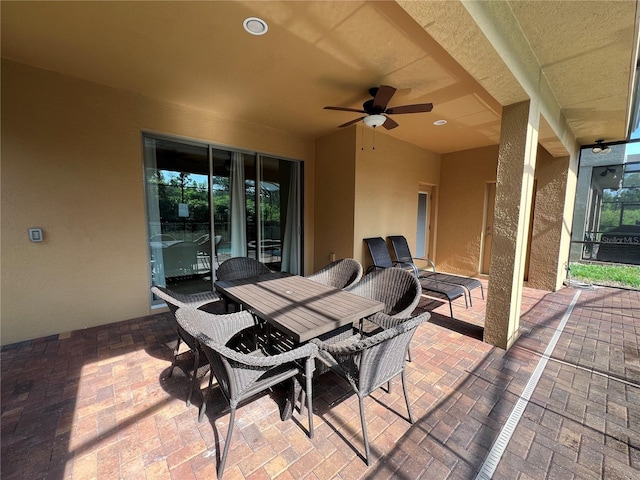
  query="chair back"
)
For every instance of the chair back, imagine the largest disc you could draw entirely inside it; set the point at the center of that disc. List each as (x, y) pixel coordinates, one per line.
(379, 252)
(216, 242)
(237, 268)
(204, 247)
(217, 330)
(175, 301)
(237, 372)
(339, 274)
(383, 355)
(401, 248)
(398, 289)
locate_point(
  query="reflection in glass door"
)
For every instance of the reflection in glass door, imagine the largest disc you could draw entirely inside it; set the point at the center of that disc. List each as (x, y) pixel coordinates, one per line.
(278, 213)
(178, 206)
(248, 206)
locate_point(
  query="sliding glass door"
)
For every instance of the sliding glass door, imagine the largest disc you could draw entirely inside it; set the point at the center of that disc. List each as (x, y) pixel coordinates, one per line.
(206, 204)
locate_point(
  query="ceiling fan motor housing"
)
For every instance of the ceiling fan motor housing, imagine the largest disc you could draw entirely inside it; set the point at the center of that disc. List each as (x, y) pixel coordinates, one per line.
(370, 109)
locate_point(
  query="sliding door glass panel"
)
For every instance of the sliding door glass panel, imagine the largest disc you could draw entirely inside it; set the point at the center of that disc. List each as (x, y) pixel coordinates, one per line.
(269, 213)
(178, 205)
(279, 201)
(207, 204)
(221, 192)
(250, 202)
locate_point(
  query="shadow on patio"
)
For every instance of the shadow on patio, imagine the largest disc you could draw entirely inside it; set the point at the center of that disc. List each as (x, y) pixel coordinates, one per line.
(98, 404)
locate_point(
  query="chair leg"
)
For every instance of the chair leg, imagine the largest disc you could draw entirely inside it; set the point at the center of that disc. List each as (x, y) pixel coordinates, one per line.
(409, 354)
(203, 407)
(364, 431)
(194, 376)
(309, 380)
(175, 357)
(406, 397)
(223, 459)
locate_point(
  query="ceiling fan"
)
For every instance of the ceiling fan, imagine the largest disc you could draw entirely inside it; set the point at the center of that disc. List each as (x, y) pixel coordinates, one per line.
(376, 109)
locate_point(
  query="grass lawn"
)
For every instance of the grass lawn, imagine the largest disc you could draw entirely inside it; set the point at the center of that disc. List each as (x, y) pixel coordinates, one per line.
(610, 275)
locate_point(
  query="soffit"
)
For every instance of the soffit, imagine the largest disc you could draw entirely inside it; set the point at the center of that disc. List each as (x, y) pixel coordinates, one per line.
(584, 50)
(317, 54)
(586, 53)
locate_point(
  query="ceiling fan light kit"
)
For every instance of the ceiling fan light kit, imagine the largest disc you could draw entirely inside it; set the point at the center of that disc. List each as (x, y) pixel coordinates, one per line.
(374, 120)
(600, 148)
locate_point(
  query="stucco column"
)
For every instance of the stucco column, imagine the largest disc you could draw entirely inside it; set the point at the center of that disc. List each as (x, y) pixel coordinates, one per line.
(550, 224)
(514, 188)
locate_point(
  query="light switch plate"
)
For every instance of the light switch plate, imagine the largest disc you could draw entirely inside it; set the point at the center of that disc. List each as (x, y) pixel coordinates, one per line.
(35, 235)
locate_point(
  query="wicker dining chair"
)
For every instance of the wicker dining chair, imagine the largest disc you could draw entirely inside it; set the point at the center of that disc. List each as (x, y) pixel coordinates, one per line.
(339, 274)
(174, 301)
(241, 376)
(367, 363)
(398, 289)
(237, 268)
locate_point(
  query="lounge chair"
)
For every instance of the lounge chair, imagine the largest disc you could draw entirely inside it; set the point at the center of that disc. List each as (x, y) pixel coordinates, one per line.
(403, 256)
(432, 287)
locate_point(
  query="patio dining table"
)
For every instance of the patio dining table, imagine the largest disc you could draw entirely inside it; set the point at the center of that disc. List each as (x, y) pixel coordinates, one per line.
(301, 308)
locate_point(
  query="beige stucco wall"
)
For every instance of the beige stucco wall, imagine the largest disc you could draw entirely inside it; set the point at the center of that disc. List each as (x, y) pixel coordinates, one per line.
(386, 190)
(72, 164)
(463, 182)
(335, 193)
(551, 185)
(364, 193)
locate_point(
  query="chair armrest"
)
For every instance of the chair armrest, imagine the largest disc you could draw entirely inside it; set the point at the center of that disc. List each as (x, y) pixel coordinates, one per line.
(182, 300)
(357, 345)
(407, 265)
(220, 327)
(385, 321)
(307, 350)
(428, 260)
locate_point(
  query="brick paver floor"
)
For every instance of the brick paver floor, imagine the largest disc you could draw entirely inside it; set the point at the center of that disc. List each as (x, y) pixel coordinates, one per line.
(98, 403)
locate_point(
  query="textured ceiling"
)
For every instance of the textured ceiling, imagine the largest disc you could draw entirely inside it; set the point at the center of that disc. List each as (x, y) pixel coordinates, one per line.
(330, 53)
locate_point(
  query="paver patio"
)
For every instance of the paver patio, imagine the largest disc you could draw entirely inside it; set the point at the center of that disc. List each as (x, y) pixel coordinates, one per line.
(98, 403)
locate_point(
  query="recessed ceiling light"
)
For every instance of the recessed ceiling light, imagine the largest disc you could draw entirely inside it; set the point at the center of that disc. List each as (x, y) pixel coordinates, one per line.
(440, 122)
(255, 26)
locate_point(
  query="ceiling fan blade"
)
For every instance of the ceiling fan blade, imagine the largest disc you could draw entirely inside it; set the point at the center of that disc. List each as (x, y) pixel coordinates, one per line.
(417, 108)
(345, 109)
(383, 95)
(389, 123)
(350, 123)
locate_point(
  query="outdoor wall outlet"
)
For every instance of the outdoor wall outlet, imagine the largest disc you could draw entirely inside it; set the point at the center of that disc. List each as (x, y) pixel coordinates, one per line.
(35, 235)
